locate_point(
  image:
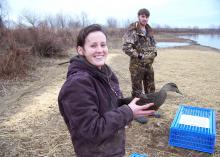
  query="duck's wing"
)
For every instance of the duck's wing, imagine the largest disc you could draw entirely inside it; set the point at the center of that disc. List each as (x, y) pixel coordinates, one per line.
(147, 98)
(144, 99)
(158, 98)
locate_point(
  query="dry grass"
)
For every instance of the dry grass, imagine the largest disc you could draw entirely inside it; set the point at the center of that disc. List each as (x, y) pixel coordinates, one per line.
(30, 123)
(196, 71)
(21, 47)
(15, 61)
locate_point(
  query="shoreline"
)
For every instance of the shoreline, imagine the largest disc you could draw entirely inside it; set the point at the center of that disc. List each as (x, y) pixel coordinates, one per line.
(193, 46)
(173, 37)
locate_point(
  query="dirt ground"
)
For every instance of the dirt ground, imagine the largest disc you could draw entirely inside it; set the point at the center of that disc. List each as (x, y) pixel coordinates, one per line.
(30, 123)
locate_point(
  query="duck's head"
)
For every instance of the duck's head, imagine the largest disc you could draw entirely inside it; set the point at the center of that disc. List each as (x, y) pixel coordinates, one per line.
(171, 87)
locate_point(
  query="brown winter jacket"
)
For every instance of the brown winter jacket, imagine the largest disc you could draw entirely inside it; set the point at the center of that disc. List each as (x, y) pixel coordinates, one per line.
(88, 102)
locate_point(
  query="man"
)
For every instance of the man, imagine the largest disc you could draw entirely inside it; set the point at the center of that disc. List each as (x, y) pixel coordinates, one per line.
(139, 44)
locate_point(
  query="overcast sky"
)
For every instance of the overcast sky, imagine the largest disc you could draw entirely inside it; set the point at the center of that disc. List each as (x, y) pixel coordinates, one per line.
(175, 13)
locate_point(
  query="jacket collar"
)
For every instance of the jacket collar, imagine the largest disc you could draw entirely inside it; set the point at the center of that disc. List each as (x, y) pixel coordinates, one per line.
(79, 63)
(136, 26)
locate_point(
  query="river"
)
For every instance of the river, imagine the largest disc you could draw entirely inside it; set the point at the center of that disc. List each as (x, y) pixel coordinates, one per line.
(202, 39)
(205, 39)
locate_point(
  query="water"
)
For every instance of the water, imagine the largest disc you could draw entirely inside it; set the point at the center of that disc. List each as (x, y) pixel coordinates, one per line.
(205, 39)
(170, 44)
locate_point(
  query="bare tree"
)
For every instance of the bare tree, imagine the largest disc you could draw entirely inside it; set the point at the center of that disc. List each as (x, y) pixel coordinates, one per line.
(126, 23)
(60, 21)
(73, 22)
(50, 21)
(84, 19)
(112, 22)
(3, 12)
(1, 22)
(31, 17)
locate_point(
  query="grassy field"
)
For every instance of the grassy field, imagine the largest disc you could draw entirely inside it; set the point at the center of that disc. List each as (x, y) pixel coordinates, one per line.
(30, 123)
(196, 71)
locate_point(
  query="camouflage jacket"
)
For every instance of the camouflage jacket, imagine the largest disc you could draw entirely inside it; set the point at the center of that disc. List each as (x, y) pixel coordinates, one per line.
(136, 43)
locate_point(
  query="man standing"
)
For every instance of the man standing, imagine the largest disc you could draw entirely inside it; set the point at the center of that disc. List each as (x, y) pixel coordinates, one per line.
(139, 44)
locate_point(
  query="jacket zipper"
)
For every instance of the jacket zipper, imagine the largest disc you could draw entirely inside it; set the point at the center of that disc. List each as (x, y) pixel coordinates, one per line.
(112, 88)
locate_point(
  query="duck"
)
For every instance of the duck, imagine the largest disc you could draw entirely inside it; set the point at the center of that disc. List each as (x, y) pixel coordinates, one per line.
(158, 98)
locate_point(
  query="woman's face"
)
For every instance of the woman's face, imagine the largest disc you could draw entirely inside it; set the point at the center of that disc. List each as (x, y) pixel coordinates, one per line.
(95, 49)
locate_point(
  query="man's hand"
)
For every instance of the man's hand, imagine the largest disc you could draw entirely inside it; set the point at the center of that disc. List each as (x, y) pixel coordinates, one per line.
(141, 56)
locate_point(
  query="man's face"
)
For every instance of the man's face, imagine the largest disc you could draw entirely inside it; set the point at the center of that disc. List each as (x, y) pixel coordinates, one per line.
(143, 19)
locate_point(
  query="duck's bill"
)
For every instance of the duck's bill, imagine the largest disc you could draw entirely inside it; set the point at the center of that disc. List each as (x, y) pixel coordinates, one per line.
(179, 92)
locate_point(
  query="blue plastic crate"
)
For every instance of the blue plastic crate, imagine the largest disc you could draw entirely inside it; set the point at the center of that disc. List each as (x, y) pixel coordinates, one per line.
(138, 155)
(194, 128)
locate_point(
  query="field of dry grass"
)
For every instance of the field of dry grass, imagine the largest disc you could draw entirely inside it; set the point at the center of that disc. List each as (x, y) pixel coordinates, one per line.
(196, 71)
(30, 123)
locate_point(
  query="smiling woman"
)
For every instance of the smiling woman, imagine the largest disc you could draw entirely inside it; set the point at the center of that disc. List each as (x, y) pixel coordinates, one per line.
(89, 100)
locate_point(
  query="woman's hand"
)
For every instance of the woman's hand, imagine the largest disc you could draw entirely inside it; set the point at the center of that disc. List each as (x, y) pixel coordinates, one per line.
(140, 111)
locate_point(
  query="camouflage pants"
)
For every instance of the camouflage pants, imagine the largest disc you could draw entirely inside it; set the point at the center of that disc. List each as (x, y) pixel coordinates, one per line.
(142, 73)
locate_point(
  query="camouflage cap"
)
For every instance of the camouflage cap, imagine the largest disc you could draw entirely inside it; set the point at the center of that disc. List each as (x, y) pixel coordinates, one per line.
(144, 12)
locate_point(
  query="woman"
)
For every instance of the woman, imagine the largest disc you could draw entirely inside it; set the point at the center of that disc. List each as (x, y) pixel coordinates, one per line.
(89, 100)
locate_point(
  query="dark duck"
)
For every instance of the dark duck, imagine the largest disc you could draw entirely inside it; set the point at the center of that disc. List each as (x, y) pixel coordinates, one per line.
(158, 98)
